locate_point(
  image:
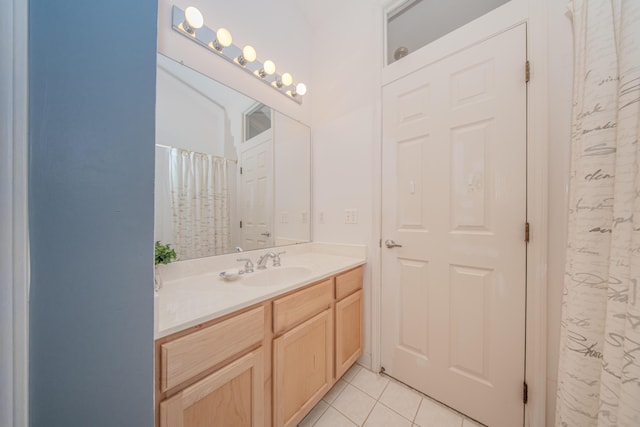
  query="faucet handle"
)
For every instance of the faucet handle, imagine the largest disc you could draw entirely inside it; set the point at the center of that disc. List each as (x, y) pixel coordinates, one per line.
(276, 258)
(248, 266)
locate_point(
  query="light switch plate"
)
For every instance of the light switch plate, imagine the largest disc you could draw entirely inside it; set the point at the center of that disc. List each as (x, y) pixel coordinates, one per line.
(351, 216)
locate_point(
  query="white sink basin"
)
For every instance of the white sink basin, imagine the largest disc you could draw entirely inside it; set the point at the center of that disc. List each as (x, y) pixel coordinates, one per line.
(276, 276)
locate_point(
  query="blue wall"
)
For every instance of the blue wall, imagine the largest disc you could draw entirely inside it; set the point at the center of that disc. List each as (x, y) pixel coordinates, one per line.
(91, 111)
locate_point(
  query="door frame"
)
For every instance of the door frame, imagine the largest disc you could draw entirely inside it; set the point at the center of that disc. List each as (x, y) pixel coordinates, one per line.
(14, 247)
(533, 13)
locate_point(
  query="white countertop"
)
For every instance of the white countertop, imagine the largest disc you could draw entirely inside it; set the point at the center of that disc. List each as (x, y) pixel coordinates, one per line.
(193, 293)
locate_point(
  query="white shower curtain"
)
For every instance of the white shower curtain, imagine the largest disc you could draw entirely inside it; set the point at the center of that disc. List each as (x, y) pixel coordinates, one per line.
(599, 366)
(200, 204)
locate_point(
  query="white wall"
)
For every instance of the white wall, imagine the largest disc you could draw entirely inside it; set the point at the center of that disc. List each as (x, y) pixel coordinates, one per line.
(347, 61)
(276, 29)
(560, 65)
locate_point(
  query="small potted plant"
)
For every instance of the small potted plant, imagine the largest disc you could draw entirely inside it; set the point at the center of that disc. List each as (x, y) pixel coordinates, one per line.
(164, 255)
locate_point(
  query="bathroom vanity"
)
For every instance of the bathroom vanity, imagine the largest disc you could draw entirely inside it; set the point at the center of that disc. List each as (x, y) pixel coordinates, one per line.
(267, 350)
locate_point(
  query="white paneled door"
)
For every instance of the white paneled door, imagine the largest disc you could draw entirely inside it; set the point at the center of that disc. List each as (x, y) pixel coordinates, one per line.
(454, 201)
(256, 191)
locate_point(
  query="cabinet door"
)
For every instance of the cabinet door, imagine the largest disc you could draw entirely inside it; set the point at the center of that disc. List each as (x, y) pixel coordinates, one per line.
(231, 396)
(348, 332)
(302, 368)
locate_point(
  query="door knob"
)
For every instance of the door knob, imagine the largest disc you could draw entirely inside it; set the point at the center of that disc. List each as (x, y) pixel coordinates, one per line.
(266, 234)
(391, 244)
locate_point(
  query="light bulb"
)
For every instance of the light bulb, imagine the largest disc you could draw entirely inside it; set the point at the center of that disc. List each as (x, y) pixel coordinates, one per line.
(269, 67)
(249, 53)
(193, 19)
(223, 38)
(301, 89)
(286, 79)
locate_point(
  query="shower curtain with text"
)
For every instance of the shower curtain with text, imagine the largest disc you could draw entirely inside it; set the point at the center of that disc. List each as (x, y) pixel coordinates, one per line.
(599, 366)
(200, 204)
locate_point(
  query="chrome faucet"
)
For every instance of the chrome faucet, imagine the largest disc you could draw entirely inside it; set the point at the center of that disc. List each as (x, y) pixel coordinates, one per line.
(262, 261)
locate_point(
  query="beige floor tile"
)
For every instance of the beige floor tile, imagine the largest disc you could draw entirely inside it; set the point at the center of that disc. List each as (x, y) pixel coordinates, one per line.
(333, 418)
(470, 423)
(354, 403)
(351, 373)
(371, 383)
(381, 416)
(401, 399)
(335, 391)
(432, 414)
(314, 414)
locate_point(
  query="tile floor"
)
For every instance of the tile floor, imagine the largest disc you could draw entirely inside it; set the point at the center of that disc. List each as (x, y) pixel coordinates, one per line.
(364, 398)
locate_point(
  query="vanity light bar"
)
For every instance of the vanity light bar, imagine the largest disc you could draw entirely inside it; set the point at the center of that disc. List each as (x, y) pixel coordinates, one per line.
(245, 58)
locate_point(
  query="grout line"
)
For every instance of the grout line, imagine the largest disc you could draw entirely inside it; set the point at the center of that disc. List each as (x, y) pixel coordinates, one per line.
(418, 411)
(349, 418)
(424, 396)
(398, 413)
(417, 392)
(377, 401)
(325, 410)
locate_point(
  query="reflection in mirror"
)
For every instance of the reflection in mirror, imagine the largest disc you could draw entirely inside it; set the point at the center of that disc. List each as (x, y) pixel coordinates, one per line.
(230, 172)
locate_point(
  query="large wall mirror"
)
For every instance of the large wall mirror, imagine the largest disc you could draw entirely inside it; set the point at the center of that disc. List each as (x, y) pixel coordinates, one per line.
(231, 173)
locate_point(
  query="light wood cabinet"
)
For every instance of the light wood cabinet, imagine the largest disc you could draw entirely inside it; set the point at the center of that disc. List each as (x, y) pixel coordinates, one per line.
(231, 396)
(266, 365)
(299, 306)
(349, 336)
(348, 282)
(216, 373)
(303, 368)
(186, 357)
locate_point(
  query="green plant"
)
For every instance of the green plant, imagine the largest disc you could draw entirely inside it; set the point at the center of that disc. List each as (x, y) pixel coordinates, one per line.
(164, 253)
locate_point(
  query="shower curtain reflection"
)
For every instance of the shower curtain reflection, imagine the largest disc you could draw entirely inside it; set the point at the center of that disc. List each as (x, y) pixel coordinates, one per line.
(193, 206)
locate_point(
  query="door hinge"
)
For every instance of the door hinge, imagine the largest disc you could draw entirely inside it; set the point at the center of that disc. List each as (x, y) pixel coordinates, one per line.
(526, 232)
(240, 224)
(380, 243)
(241, 170)
(525, 393)
(527, 72)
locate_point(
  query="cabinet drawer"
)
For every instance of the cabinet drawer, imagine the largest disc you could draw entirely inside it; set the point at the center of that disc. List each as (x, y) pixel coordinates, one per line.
(349, 282)
(186, 357)
(231, 396)
(302, 305)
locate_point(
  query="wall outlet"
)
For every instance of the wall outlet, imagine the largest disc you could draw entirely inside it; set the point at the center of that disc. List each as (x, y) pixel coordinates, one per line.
(351, 216)
(304, 218)
(284, 217)
(321, 215)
